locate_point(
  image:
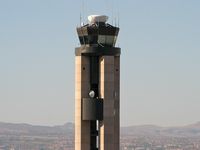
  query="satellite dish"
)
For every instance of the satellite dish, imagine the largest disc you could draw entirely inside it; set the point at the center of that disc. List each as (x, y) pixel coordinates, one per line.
(92, 94)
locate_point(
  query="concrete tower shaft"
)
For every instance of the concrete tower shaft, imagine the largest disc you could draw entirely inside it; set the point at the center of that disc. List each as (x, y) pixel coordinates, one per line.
(97, 86)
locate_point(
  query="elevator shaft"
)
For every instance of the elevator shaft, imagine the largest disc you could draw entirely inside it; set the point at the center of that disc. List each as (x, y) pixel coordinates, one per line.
(94, 86)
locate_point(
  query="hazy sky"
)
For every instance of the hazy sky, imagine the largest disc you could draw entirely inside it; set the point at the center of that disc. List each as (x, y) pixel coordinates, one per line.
(160, 61)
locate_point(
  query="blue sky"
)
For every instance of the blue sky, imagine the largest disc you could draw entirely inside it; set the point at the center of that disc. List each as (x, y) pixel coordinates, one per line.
(160, 65)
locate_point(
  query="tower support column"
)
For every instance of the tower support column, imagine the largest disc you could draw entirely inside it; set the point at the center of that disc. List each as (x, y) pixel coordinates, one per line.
(109, 91)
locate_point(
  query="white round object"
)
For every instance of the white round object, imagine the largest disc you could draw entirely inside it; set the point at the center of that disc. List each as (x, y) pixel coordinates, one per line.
(92, 94)
(97, 18)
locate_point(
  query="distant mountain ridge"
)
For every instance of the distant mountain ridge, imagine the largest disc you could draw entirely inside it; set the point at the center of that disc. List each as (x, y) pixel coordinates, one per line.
(27, 129)
(192, 130)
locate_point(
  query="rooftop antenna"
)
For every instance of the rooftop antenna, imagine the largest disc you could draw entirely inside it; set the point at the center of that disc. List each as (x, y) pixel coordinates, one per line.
(80, 18)
(115, 21)
(112, 7)
(106, 6)
(83, 10)
(118, 17)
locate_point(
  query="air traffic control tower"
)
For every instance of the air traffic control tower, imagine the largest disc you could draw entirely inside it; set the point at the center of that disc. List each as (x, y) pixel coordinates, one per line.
(97, 86)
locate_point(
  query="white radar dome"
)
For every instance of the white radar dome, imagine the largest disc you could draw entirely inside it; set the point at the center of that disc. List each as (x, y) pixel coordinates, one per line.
(97, 18)
(92, 94)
